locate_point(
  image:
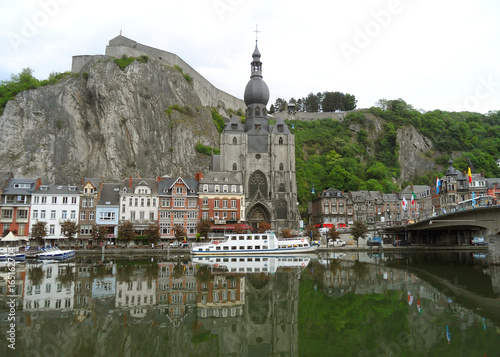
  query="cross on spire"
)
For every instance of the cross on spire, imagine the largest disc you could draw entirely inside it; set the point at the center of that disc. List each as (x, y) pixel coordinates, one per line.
(256, 32)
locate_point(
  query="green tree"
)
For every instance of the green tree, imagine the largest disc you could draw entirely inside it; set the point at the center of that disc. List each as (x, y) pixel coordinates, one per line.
(333, 234)
(126, 231)
(153, 233)
(311, 103)
(358, 230)
(179, 232)
(39, 232)
(69, 229)
(350, 102)
(204, 227)
(99, 233)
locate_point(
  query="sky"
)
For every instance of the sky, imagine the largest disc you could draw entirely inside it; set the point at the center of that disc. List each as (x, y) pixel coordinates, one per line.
(440, 54)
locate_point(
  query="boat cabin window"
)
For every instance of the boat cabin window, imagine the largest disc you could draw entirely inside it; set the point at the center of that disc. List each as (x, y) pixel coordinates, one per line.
(257, 237)
(217, 248)
(242, 259)
(225, 260)
(257, 259)
(264, 247)
(233, 237)
(233, 248)
(250, 237)
(226, 248)
(241, 238)
(257, 247)
(233, 259)
(249, 247)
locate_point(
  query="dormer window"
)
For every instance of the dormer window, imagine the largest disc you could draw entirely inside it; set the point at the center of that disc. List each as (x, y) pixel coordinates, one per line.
(234, 126)
(280, 128)
(217, 188)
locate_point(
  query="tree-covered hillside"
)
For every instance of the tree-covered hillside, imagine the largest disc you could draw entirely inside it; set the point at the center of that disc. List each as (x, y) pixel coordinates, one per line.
(348, 157)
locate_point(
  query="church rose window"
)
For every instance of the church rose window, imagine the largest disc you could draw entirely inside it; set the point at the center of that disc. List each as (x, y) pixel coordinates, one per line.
(258, 182)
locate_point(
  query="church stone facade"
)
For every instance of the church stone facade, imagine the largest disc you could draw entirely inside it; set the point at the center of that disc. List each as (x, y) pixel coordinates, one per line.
(262, 156)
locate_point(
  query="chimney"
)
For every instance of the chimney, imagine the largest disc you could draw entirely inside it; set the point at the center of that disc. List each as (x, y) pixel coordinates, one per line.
(38, 183)
(198, 176)
(130, 182)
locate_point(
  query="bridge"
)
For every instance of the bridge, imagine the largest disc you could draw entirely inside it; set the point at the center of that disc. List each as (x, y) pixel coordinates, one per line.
(451, 228)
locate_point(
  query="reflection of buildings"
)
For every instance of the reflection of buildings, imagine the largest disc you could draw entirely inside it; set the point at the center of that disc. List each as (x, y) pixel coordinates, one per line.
(136, 295)
(52, 292)
(177, 290)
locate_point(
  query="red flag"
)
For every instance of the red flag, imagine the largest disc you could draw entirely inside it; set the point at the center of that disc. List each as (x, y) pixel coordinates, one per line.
(470, 176)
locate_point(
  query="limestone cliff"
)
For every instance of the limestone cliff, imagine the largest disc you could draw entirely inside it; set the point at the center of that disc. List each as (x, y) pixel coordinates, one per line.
(414, 154)
(145, 119)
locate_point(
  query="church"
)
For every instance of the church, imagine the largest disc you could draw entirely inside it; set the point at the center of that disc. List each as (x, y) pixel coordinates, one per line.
(262, 156)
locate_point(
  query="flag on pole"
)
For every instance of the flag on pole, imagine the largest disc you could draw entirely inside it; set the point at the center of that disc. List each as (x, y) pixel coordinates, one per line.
(438, 183)
(404, 203)
(413, 197)
(470, 176)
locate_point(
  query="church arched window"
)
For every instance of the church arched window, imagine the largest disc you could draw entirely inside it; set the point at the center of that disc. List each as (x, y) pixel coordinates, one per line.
(257, 182)
(235, 167)
(280, 141)
(281, 210)
(281, 166)
(235, 141)
(249, 112)
(282, 187)
(257, 111)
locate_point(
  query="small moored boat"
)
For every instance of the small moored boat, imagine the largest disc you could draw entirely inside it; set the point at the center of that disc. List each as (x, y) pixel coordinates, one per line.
(255, 243)
(9, 253)
(55, 253)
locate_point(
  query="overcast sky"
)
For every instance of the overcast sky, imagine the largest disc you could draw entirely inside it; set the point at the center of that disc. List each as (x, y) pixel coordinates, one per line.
(441, 54)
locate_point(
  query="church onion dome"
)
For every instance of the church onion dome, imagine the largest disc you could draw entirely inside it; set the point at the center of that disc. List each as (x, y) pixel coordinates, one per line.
(256, 91)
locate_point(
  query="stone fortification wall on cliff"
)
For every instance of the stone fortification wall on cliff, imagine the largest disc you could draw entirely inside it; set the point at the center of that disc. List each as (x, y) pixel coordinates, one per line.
(208, 93)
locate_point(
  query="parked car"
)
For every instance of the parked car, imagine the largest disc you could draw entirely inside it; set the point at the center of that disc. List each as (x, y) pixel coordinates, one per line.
(478, 241)
(401, 243)
(176, 244)
(374, 242)
(316, 242)
(338, 243)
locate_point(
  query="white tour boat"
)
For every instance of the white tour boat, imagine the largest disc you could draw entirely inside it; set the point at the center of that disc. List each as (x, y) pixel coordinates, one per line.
(254, 263)
(255, 243)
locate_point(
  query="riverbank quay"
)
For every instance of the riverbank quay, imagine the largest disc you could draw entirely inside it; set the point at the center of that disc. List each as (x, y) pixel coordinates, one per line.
(361, 248)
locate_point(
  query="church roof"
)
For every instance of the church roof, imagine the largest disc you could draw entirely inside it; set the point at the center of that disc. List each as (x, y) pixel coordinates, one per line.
(256, 91)
(275, 127)
(234, 124)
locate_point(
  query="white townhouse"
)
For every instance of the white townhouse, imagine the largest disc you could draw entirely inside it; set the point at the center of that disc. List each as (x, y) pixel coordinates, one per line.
(139, 202)
(54, 204)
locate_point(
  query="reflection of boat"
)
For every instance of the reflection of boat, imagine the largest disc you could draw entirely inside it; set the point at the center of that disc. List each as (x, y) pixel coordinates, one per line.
(253, 264)
(55, 253)
(9, 253)
(259, 243)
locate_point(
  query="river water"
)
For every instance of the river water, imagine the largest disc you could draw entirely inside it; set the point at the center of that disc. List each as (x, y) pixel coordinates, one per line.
(331, 304)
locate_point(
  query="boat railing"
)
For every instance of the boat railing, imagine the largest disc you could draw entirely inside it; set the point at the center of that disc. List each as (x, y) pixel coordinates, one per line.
(211, 241)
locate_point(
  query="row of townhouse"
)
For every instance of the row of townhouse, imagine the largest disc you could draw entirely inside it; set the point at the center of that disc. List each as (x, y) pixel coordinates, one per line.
(452, 192)
(164, 201)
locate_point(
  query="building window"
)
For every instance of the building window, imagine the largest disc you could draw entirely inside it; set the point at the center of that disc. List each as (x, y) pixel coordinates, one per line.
(35, 214)
(233, 203)
(91, 215)
(64, 214)
(224, 203)
(205, 188)
(179, 202)
(42, 214)
(280, 141)
(54, 200)
(52, 229)
(52, 214)
(73, 200)
(217, 188)
(205, 201)
(281, 166)
(281, 212)
(225, 188)
(235, 141)
(216, 204)
(235, 167)
(82, 216)
(280, 129)
(233, 188)
(65, 200)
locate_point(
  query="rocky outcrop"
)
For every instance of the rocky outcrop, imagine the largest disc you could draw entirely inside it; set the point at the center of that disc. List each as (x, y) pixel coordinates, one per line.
(145, 119)
(414, 154)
